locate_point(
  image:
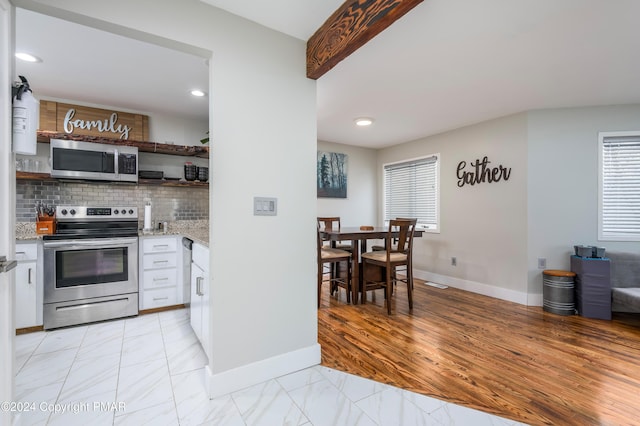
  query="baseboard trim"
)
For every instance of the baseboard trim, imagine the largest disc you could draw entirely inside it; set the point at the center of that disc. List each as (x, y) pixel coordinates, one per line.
(534, 299)
(258, 372)
(480, 288)
(161, 309)
(26, 330)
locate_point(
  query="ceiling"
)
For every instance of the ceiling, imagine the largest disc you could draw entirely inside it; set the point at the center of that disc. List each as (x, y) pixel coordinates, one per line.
(444, 65)
(93, 66)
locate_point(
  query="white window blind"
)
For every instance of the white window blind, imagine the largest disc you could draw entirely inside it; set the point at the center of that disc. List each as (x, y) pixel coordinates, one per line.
(411, 190)
(619, 192)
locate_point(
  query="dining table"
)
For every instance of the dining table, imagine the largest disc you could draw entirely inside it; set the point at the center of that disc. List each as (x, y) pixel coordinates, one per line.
(359, 237)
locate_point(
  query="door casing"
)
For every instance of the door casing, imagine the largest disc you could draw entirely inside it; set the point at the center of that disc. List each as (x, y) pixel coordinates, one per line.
(7, 210)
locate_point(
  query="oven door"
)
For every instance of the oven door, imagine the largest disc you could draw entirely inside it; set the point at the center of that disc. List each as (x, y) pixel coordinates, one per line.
(89, 268)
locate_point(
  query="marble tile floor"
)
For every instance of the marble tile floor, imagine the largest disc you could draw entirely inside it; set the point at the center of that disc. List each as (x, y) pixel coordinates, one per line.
(149, 370)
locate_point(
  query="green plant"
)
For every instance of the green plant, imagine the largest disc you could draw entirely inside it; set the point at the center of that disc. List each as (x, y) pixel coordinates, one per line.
(205, 140)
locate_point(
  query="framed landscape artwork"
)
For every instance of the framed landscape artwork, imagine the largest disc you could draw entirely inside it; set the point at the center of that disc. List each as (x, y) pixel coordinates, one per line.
(332, 175)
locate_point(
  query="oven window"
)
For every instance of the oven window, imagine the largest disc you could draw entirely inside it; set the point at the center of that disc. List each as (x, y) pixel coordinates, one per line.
(91, 266)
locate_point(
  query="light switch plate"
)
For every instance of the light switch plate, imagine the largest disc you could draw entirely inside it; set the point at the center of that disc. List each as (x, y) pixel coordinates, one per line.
(265, 206)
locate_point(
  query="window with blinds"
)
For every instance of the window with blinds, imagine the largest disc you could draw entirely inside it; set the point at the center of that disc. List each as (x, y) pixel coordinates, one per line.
(411, 189)
(619, 189)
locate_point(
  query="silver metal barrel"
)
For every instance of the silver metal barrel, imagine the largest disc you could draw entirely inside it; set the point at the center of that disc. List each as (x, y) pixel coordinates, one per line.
(558, 292)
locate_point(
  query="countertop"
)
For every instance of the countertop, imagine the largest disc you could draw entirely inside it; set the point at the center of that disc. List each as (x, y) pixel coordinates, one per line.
(197, 230)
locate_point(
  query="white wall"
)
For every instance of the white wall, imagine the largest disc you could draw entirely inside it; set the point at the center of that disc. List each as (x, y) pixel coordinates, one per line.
(498, 231)
(361, 205)
(563, 182)
(176, 130)
(263, 297)
(484, 226)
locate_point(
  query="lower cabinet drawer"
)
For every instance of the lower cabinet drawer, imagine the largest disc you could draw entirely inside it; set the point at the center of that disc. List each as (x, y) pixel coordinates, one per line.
(159, 278)
(26, 251)
(159, 245)
(159, 260)
(159, 297)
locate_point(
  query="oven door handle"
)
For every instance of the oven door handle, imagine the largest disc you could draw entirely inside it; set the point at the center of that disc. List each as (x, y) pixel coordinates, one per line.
(106, 242)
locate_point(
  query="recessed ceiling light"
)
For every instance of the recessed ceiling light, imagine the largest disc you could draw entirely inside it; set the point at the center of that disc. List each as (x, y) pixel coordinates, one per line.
(198, 93)
(363, 121)
(27, 57)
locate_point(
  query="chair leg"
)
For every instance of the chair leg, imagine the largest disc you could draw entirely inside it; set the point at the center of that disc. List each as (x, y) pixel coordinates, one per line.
(410, 287)
(320, 273)
(363, 296)
(349, 283)
(387, 289)
(335, 274)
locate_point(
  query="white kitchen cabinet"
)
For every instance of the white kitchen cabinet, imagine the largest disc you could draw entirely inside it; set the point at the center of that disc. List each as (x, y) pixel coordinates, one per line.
(28, 306)
(200, 291)
(160, 272)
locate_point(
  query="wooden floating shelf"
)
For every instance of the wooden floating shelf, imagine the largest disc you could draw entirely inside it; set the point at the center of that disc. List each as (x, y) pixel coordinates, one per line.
(33, 176)
(143, 146)
(157, 182)
(180, 183)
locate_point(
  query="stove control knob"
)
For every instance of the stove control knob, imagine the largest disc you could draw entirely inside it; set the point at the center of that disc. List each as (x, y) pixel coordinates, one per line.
(63, 211)
(123, 211)
(72, 212)
(116, 211)
(130, 211)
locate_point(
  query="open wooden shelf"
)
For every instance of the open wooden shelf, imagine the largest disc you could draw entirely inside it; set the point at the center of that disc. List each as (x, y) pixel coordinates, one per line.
(33, 176)
(143, 146)
(181, 183)
(157, 182)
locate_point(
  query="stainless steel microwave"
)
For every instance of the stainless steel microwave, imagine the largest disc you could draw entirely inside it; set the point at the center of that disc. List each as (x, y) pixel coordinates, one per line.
(94, 161)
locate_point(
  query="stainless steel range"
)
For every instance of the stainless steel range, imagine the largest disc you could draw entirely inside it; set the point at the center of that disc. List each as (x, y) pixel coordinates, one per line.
(91, 265)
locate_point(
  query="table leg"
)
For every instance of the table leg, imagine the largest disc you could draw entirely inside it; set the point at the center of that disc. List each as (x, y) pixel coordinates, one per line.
(355, 272)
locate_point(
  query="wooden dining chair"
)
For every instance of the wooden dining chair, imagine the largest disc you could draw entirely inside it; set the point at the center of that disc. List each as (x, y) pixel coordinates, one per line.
(395, 240)
(333, 223)
(389, 259)
(332, 257)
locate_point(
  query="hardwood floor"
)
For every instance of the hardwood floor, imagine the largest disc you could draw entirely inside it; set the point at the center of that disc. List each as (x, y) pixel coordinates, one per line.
(499, 357)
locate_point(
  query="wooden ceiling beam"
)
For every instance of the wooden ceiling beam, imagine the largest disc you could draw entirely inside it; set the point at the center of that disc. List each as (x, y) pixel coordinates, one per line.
(350, 27)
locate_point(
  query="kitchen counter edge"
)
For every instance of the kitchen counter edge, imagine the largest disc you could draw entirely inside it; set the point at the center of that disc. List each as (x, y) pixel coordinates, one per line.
(197, 230)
